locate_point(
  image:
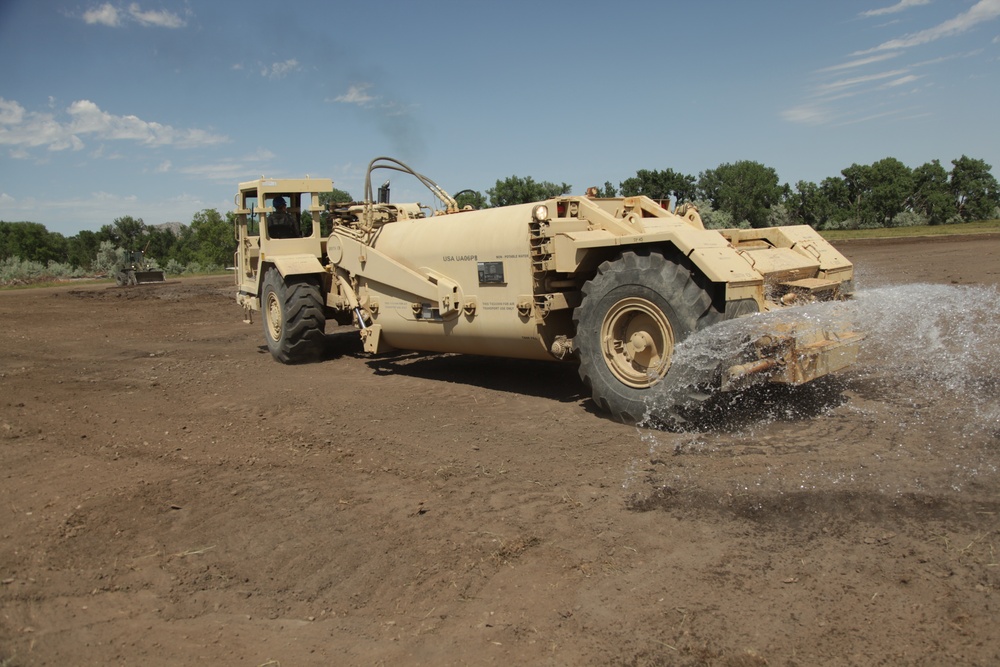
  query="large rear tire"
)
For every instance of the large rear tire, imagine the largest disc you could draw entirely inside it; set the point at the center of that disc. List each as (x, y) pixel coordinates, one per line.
(293, 316)
(634, 311)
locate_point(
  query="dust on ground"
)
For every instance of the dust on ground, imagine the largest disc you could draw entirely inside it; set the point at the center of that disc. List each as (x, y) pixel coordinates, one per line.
(170, 495)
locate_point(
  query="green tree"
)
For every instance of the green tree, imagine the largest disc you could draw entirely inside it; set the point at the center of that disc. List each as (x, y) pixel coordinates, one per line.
(213, 238)
(126, 232)
(745, 189)
(931, 195)
(160, 243)
(183, 251)
(335, 196)
(839, 211)
(878, 192)
(473, 198)
(329, 200)
(808, 204)
(517, 190)
(609, 191)
(891, 188)
(973, 188)
(31, 241)
(660, 185)
(857, 179)
(81, 249)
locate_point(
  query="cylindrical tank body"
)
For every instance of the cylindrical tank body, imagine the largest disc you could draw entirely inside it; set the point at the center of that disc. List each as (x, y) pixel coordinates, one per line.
(487, 253)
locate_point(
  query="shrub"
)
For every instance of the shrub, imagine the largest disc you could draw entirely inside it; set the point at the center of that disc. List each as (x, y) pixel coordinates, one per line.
(17, 271)
(910, 219)
(108, 259)
(778, 216)
(174, 267)
(846, 223)
(715, 219)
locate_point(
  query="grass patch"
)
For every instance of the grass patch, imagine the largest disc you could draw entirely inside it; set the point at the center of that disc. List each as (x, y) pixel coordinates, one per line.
(981, 227)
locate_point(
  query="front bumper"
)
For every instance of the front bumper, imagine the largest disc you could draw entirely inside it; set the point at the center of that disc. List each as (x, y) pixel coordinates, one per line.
(793, 354)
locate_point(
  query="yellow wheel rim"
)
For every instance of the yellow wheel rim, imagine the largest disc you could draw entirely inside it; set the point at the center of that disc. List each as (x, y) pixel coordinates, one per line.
(638, 342)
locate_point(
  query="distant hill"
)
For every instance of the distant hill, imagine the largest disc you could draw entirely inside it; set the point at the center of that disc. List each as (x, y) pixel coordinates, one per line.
(174, 227)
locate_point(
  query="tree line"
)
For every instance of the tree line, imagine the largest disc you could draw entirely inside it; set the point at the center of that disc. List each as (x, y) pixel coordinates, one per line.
(207, 243)
(885, 193)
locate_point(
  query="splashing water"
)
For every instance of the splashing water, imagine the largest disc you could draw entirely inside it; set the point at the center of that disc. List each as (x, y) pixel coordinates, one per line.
(689, 389)
(928, 372)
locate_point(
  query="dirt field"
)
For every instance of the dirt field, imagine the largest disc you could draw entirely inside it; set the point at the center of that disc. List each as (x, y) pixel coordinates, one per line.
(169, 495)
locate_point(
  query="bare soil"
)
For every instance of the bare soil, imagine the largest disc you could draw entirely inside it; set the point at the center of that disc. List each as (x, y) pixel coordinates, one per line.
(170, 495)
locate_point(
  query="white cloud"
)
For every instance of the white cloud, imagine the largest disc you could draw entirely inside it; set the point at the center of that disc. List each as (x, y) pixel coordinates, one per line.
(356, 94)
(24, 129)
(898, 7)
(163, 167)
(942, 59)
(874, 116)
(280, 70)
(822, 110)
(903, 80)
(161, 19)
(106, 14)
(837, 86)
(233, 170)
(982, 11)
(109, 15)
(11, 113)
(859, 62)
(88, 118)
(808, 115)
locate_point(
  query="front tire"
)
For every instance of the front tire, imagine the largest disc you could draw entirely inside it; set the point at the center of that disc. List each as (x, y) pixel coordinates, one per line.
(293, 317)
(634, 311)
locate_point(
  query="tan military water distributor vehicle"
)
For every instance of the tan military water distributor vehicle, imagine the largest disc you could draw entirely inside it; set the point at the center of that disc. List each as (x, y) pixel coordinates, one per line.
(611, 284)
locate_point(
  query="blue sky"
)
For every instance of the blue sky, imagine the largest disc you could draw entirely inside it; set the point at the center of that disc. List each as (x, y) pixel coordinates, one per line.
(158, 108)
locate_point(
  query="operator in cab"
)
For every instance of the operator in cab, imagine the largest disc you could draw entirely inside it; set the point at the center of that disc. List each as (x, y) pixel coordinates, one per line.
(281, 224)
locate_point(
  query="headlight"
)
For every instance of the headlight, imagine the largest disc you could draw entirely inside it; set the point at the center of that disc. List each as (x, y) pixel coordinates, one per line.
(540, 213)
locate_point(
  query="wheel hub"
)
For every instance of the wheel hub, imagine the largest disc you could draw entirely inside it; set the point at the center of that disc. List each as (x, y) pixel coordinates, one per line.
(638, 342)
(272, 314)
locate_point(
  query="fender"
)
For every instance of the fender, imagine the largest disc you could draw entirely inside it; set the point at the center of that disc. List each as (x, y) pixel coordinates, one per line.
(295, 265)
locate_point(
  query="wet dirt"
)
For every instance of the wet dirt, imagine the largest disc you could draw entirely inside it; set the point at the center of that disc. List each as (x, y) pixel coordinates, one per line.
(170, 495)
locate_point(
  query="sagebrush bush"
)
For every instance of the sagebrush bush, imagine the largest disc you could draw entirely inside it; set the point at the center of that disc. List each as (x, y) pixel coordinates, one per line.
(711, 218)
(108, 259)
(779, 216)
(16, 271)
(910, 219)
(174, 267)
(846, 223)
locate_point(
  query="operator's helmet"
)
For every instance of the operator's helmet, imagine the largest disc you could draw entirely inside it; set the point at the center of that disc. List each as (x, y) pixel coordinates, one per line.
(279, 202)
